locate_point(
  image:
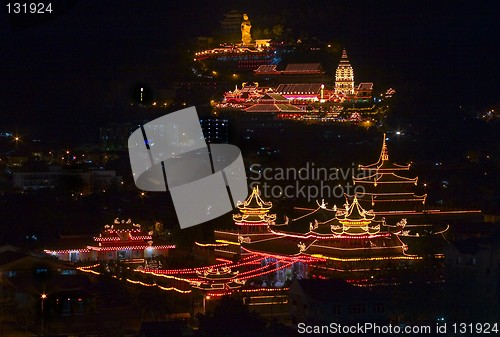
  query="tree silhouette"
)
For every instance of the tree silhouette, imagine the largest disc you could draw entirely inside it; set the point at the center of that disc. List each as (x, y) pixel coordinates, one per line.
(153, 304)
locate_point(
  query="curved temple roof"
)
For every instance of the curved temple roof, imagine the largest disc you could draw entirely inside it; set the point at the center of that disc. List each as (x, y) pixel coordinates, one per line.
(254, 209)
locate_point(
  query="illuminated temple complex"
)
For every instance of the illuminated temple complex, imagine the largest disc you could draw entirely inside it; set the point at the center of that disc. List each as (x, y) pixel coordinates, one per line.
(300, 84)
(306, 92)
(328, 241)
(382, 237)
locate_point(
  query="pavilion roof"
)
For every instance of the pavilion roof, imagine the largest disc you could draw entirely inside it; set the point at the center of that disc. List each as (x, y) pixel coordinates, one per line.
(299, 88)
(365, 86)
(355, 212)
(274, 98)
(254, 201)
(294, 68)
(266, 69)
(385, 178)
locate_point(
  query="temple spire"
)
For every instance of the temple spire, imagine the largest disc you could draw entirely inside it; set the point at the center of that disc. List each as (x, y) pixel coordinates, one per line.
(344, 55)
(384, 155)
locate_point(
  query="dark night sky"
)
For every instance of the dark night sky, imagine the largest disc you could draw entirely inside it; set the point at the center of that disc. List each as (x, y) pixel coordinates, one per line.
(74, 71)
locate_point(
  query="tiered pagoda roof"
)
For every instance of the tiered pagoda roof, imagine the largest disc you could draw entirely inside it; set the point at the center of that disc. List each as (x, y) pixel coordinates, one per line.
(254, 210)
(385, 187)
(218, 279)
(354, 220)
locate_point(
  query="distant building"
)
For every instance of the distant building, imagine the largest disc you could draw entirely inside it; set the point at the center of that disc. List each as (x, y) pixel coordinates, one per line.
(28, 181)
(26, 277)
(215, 130)
(231, 25)
(476, 261)
(104, 179)
(114, 136)
(198, 92)
(204, 42)
(77, 181)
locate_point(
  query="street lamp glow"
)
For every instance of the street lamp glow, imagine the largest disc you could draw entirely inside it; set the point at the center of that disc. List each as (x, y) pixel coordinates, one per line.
(43, 297)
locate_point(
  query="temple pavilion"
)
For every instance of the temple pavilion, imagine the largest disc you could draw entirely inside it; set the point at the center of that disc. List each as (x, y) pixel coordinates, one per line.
(121, 240)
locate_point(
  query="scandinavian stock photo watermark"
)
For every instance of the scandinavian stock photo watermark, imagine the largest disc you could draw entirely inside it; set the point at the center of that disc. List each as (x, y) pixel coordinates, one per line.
(308, 182)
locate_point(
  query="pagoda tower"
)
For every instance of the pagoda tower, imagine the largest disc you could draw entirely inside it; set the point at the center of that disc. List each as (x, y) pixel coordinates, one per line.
(252, 221)
(254, 214)
(385, 186)
(344, 77)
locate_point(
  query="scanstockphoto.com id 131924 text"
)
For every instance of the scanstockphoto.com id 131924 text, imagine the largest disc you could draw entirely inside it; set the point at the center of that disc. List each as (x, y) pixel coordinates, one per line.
(370, 328)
